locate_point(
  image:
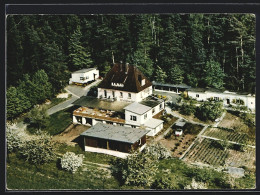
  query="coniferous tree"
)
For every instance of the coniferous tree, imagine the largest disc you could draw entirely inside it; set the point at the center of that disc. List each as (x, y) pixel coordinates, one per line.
(78, 56)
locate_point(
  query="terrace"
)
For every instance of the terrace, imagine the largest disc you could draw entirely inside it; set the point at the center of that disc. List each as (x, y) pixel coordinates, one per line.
(99, 114)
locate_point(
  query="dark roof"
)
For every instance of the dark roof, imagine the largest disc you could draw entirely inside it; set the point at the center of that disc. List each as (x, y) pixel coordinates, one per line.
(183, 85)
(151, 101)
(115, 133)
(84, 70)
(128, 75)
(93, 102)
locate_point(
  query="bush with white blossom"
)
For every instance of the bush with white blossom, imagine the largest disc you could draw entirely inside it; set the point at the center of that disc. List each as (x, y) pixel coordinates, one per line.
(157, 150)
(71, 161)
(14, 137)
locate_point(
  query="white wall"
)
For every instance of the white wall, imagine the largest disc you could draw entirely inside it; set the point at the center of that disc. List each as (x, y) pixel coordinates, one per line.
(248, 100)
(136, 97)
(202, 96)
(75, 77)
(128, 115)
(154, 131)
(141, 118)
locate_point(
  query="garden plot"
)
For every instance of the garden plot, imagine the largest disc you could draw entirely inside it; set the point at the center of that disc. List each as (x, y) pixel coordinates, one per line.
(240, 159)
(232, 121)
(228, 134)
(203, 152)
(179, 144)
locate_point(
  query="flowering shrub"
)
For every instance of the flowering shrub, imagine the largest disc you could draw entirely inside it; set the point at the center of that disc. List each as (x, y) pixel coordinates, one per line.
(157, 150)
(71, 162)
(39, 149)
(14, 138)
(196, 185)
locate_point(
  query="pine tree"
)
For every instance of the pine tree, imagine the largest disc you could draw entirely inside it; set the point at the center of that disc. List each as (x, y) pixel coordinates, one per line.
(176, 75)
(160, 75)
(213, 75)
(78, 56)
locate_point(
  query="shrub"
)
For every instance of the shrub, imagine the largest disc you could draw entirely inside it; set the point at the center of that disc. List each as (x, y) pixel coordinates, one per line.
(217, 144)
(187, 109)
(14, 138)
(137, 169)
(71, 162)
(209, 111)
(164, 182)
(248, 119)
(157, 150)
(196, 185)
(39, 149)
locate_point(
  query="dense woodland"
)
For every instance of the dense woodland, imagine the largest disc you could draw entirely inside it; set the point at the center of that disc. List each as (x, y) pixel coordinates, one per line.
(201, 50)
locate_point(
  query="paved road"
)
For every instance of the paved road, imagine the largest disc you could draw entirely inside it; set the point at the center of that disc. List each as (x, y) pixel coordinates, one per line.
(76, 91)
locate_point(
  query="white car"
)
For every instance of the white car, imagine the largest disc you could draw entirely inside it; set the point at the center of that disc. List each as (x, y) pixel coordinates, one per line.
(178, 132)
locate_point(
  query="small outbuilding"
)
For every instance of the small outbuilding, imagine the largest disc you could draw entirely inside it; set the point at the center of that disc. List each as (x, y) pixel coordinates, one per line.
(179, 128)
(84, 76)
(115, 138)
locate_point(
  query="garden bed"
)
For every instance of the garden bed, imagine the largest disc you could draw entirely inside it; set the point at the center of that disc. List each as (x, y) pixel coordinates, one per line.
(232, 121)
(229, 135)
(204, 152)
(179, 144)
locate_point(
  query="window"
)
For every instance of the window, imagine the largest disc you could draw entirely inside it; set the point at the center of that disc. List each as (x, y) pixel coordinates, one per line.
(133, 126)
(140, 141)
(113, 93)
(197, 95)
(129, 95)
(82, 78)
(132, 118)
(105, 93)
(160, 106)
(251, 102)
(216, 98)
(145, 116)
(153, 110)
(121, 94)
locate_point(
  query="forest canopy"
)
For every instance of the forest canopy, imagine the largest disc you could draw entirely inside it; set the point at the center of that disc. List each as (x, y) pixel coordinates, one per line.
(201, 50)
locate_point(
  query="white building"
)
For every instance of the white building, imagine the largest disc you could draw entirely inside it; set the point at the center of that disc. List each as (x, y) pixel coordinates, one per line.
(140, 115)
(124, 98)
(125, 83)
(84, 76)
(229, 98)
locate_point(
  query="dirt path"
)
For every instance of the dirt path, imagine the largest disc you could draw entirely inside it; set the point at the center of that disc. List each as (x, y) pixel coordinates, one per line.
(70, 134)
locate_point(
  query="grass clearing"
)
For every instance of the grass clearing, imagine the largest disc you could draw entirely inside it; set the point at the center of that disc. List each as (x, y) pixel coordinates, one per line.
(58, 122)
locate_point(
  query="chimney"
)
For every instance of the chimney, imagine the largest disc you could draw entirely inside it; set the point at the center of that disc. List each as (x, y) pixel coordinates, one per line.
(126, 68)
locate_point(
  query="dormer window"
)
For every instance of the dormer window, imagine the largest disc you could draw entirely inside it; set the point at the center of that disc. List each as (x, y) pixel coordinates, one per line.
(117, 84)
(143, 82)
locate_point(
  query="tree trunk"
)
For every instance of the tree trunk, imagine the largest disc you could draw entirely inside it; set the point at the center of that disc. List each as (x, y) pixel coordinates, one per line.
(113, 58)
(242, 51)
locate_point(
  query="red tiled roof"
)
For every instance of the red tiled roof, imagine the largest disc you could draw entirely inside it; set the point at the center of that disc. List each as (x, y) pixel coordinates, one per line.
(128, 75)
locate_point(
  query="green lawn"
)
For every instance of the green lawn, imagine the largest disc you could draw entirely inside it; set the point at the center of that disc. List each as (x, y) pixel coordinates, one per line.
(22, 175)
(59, 121)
